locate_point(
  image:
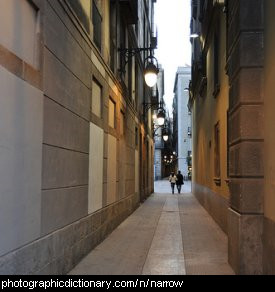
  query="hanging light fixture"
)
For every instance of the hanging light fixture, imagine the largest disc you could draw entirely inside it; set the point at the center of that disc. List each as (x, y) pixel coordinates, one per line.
(165, 134)
(151, 71)
(165, 137)
(194, 35)
(161, 118)
(150, 63)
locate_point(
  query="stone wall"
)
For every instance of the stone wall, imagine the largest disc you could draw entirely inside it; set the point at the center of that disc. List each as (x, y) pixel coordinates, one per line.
(215, 204)
(245, 64)
(70, 176)
(269, 159)
(58, 252)
(21, 126)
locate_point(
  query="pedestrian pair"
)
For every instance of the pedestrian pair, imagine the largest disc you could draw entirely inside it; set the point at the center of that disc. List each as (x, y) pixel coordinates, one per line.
(176, 180)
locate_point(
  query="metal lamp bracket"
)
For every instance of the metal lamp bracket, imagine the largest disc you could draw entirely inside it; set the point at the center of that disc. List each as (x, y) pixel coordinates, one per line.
(130, 53)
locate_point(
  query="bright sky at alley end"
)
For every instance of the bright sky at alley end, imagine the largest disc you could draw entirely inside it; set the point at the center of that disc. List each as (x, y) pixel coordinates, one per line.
(172, 18)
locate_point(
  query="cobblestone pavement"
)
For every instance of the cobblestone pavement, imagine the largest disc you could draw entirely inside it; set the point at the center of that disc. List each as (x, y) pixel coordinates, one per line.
(168, 235)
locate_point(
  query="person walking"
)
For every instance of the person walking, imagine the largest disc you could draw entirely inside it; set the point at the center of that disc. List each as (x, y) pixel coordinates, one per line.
(179, 181)
(173, 180)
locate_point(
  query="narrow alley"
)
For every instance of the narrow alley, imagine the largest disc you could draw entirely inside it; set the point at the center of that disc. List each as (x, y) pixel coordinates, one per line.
(101, 101)
(167, 235)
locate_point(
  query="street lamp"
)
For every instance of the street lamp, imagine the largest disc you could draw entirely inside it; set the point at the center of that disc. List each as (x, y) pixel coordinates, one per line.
(151, 70)
(194, 35)
(158, 106)
(165, 134)
(161, 117)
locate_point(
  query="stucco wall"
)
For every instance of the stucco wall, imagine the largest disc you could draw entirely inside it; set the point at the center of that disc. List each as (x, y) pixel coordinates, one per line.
(207, 111)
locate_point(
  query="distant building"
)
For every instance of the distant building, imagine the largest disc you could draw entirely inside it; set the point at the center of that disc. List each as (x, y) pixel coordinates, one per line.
(159, 143)
(182, 121)
(169, 159)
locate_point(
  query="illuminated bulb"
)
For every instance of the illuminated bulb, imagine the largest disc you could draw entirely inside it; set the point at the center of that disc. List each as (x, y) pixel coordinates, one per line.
(151, 75)
(151, 79)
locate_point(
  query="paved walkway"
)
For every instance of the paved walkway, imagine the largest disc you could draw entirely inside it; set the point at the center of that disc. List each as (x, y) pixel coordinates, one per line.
(168, 235)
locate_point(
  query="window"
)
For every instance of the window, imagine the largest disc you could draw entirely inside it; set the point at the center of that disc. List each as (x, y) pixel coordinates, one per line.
(194, 8)
(136, 89)
(122, 43)
(203, 70)
(96, 98)
(189, 159)
(97, 22)
(144, 36)
(113, 34)
(189, 132)
(130, 77)
(20, 25)
(203, 4)
(122, 119)
(216, 65)
(136, 136)
(112, 113)
(227, 141)
(80, 13)
(217, 169)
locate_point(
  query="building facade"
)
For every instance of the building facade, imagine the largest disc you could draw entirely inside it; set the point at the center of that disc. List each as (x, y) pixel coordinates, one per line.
(233, 122)
(182, 129)
(159, 143)
(169, 159)
(76, 154)
(209, 98)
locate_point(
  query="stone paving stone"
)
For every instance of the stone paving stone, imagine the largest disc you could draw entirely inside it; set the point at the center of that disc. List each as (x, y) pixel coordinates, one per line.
(168, 235)
(125, 250)
(166, 253)
(205, 244)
